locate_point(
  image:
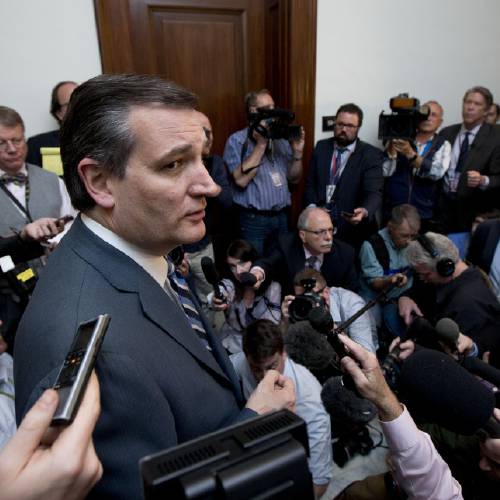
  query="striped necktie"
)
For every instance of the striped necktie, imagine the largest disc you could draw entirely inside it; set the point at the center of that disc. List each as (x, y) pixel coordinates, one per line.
(180, 287)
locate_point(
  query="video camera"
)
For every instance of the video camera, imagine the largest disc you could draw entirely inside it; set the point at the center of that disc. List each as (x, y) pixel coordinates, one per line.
(301, 305)
(404, 119)
(278, 121)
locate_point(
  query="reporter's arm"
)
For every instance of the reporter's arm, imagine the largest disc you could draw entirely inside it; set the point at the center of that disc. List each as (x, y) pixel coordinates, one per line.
(65, 469)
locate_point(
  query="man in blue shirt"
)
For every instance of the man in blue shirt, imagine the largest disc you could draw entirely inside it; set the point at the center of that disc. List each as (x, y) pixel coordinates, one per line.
(261, 169)
(263, 349)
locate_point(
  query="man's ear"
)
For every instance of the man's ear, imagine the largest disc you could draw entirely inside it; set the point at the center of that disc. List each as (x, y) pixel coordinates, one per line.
(302, 235)
(96, 181)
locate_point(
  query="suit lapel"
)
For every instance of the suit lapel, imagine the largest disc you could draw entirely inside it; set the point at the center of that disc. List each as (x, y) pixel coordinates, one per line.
(326, 165)
(475, 149)
(126, 275)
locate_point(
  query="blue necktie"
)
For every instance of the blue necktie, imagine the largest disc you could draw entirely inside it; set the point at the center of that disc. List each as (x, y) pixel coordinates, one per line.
(337, 164)
(181, 288)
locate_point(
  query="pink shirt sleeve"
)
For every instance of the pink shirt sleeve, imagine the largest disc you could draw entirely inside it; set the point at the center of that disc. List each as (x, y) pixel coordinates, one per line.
(419, 469)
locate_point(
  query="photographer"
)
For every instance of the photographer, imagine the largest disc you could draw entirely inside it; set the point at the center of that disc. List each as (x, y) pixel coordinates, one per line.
(412, 169)
(261, 169)
(419, 469)
(242, 304)
(341, 304)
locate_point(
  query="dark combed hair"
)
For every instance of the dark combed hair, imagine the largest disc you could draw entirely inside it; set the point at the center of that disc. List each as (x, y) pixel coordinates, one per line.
(262, 339)
(96, 124)
(478, 89)
(246, 252)
(55, 105)
(353, 109)
(251, 98)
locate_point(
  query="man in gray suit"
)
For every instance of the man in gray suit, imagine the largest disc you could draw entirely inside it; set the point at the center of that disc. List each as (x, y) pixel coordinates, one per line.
(131, 146)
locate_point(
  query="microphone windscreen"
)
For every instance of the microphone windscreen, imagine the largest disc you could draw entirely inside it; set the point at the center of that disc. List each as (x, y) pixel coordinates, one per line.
(438, 389)
(308, 347)
(321, 319)
(447, 331)
(247, 279)
(209, 270)
(482, 369)
(344, 405)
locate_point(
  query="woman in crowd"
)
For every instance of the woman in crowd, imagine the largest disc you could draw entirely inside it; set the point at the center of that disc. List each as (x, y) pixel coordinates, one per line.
(241, 303)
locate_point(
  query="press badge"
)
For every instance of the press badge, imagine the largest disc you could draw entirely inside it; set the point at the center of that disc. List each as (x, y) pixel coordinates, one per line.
(276, 178)
(330, 189)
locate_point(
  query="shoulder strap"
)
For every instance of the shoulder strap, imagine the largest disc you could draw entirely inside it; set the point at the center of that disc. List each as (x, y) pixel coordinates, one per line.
(381, 252)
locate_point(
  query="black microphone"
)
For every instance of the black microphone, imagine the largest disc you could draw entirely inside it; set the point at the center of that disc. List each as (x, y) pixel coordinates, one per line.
(247, 279)
(211, 275)
(344, 405)
(322, 321)
(448, 332)
(482, 369)
(439, 390)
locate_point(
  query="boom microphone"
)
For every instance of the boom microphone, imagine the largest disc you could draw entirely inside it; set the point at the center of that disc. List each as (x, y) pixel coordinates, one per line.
(482, 369)
(438, 389)
(211, 275)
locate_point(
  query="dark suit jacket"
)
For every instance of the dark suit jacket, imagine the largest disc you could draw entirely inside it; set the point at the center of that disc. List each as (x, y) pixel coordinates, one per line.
(483, 156)
(45, 140)
(483, 244)
(288, 259)
(360, 185)
(159, 385)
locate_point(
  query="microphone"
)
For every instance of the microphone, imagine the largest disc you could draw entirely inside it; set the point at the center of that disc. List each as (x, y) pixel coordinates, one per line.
(448, 332)
(438, 389)
(344, 406)
(211, 275)
(247, 279)
(308, 347)
(482, 369)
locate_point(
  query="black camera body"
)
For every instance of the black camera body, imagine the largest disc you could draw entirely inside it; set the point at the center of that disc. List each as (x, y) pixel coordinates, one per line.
(278, 121)
(404, 119)
(302, 305)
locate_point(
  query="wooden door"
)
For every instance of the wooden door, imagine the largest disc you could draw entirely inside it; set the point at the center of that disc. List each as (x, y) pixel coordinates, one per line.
(213, 47)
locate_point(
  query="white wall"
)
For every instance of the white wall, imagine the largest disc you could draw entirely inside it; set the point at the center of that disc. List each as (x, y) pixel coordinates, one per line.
(41, 43)
(368, 51)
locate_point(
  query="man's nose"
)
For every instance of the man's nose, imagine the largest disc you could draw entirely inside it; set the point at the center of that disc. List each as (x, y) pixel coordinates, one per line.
(10, 146)
(203, 184)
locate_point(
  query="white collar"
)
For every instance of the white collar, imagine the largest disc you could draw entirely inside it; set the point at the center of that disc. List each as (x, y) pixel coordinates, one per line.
(22, 170)
(155, 265)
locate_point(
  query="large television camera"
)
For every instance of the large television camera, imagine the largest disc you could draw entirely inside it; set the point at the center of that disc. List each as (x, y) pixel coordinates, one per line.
(274, 123)
(404, 119)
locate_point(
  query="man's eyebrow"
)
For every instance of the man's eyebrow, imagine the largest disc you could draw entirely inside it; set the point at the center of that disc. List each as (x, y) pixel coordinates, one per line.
(175, 151)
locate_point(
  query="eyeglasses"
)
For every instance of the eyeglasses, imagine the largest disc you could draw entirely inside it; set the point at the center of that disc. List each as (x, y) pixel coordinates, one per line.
(348, 126)
(321, 232)
(17, 142)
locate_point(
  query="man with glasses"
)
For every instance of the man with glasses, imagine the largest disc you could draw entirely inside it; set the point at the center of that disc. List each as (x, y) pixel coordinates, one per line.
(311, 246)
(345, 176)
(61, 94)
(27, 193)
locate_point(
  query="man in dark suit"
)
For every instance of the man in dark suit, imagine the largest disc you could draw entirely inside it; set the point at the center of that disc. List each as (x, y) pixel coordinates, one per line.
(471, 184)
(312, 246)
(59, 101)
(131, 146)
(345, 176)
(484, 250)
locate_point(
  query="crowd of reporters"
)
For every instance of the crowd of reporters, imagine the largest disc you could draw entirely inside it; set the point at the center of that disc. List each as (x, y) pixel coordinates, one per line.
(378, 227)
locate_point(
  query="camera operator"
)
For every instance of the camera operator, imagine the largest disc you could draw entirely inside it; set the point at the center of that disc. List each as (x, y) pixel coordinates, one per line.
(341, 304)
(261, 169)
(412, 169)
(419, 469)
